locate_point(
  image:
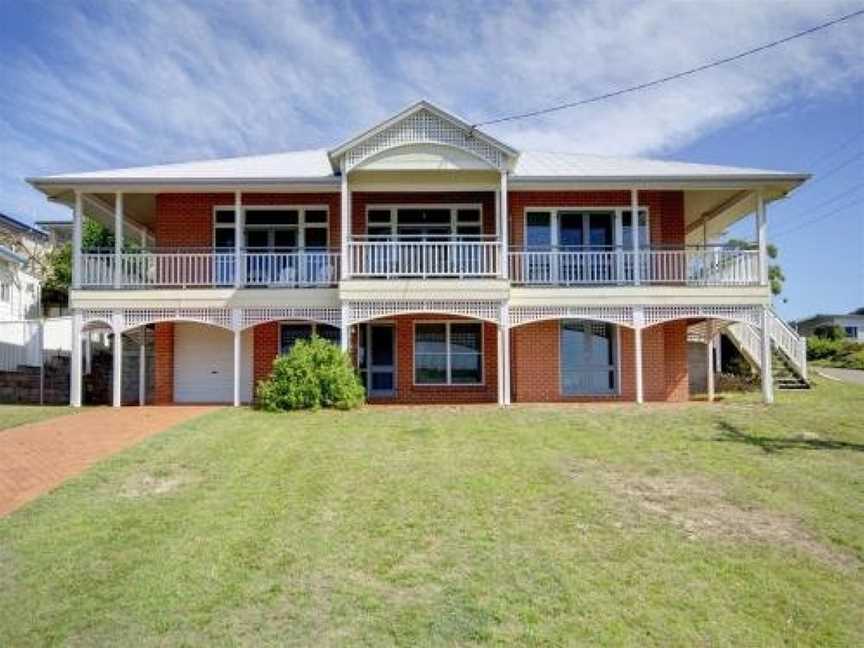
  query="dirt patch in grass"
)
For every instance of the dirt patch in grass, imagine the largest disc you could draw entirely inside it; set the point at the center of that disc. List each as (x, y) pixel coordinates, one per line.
(702, 509)
(152, 485)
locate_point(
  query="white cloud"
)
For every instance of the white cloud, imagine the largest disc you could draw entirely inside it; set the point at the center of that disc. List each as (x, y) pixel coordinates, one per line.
(153, 82)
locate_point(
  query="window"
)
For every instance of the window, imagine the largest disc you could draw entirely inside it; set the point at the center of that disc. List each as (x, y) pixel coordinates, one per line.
(5, 292)
(627, 229)
(274, 228)
(587, 358)
(448, 353)
(579, 228)
(290, 332)
(851, 331)
(425, 222)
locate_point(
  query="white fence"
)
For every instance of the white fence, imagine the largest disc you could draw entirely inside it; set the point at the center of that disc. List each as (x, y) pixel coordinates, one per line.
(27, 342)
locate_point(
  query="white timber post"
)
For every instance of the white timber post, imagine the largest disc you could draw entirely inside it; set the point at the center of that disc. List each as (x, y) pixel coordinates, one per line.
(505, 350)
(638, 323)
(718, 352)
(77, 228)
(142, 368)
(709, 353)
(634, 231)
(345, 328)
(239, 243)
(236, 323)
(767, 375)
(75, 364)
(118, 239)
(344, 224)
(117, 382)
(503, 228)
(500, 356)
(762, 237)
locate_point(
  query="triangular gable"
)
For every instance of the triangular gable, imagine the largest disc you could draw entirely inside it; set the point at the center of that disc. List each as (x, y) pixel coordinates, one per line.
(422, 123)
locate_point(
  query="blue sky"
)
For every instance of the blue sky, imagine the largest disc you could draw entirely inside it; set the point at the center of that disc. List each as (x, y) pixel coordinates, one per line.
(100, 85)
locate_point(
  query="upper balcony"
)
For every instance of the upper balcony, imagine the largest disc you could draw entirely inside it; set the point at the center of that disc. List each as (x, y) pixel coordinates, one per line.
(397, 258)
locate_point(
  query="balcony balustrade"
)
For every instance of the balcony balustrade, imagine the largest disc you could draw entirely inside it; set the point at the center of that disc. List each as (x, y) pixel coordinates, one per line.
(372, 258)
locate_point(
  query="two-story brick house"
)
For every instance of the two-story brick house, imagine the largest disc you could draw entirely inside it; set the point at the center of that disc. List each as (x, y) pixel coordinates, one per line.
(454, 267)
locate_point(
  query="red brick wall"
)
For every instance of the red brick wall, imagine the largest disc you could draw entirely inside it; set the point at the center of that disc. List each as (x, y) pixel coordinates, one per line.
(535, 358)
(665, 209)
(265, 347)
(164, 363)
(186, 220)
(361, 199)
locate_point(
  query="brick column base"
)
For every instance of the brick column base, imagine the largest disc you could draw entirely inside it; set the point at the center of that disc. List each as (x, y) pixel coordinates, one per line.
(164, 363)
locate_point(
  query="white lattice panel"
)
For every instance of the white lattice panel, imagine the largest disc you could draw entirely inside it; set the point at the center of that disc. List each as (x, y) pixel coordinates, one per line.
(622, 315)
(135, 317)
(479, 309)
(424, 127)
(658, 314)
(101, 315)
(254, 316)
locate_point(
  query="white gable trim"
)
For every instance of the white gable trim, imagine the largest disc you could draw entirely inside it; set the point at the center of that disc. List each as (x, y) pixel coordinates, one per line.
(422, 123)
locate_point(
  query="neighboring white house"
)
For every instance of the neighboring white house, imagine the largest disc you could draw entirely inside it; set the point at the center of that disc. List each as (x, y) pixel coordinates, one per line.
(851, 323)
(19, 290)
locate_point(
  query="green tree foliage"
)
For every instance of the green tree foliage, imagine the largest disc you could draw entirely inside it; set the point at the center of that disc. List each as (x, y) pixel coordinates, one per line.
(58, 276)
(316, 373)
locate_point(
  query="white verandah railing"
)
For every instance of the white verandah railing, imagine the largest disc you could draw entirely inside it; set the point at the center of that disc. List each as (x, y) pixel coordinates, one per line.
(375, 257)
(706, 266)
(191, 268)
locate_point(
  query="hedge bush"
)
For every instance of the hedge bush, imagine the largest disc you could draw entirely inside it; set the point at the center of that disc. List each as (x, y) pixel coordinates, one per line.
(315, 373)
(836, 353)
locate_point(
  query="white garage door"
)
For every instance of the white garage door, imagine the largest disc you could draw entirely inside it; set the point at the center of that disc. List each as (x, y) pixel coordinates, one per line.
(203, 364)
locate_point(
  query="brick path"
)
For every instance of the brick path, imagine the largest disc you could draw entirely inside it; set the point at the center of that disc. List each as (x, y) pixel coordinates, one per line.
(37, 457)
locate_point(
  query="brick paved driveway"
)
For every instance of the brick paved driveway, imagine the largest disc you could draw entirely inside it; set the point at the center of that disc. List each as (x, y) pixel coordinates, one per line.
(37, 457)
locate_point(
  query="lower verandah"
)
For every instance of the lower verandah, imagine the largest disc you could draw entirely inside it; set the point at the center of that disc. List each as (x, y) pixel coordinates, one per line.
(432, 359)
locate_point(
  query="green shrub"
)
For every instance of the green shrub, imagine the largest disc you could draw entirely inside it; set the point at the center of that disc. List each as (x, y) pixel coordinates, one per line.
(316, 373)
(836, 353)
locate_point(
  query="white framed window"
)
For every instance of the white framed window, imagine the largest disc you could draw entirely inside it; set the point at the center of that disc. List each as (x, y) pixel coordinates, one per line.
(448, 353)
(851, 331)
(583, 227)
(425, 222)
(274, 227)
(291, 332)
(5, 292)
(588, 358)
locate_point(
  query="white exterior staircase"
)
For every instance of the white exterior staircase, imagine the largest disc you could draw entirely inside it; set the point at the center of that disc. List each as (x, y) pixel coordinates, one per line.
(789, 350)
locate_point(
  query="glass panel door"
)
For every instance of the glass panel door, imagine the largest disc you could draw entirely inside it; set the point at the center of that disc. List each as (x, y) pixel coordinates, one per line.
(377, 359)
(587, 358)
(538, 247)
(600, 232)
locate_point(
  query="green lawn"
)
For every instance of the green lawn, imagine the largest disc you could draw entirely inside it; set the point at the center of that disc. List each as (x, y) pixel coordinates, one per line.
(12, 415)
(732, 524)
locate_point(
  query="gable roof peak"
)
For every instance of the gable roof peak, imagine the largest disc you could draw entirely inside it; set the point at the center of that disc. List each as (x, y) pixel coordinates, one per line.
(409, 126)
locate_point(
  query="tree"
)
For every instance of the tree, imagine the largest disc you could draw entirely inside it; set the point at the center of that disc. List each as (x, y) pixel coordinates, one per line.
(57, 277)
(775, 272)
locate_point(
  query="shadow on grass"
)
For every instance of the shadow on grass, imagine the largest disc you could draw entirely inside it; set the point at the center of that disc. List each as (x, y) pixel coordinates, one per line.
(730, 433)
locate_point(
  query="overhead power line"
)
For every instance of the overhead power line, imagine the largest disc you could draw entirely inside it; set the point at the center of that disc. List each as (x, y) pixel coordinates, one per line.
(816, 219)
(671, 77)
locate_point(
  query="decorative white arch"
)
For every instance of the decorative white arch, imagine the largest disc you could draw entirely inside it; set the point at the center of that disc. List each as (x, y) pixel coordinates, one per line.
(620, 315)
(357, 312)
(660, 314)
(254, 316)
